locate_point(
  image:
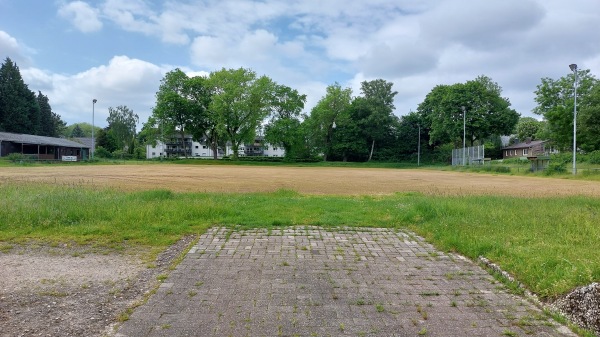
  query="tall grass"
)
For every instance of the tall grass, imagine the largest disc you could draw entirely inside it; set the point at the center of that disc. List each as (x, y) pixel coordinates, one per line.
(550, 244)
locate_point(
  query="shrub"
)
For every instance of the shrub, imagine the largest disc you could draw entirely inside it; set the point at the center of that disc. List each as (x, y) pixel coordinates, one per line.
(556, 167)
(102, 153)
(594, 157)
(16, 157)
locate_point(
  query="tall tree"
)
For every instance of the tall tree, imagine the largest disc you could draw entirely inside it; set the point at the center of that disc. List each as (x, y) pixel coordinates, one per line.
(178, 107)
(283, 127)
(240, 102)
(51, 124)
(122, 123)
(19, 109)
(475, 105)
(324, 115)
(378, 122)
(555, 100)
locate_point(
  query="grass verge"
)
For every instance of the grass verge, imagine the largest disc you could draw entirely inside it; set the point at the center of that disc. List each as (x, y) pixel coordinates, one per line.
(548, 244)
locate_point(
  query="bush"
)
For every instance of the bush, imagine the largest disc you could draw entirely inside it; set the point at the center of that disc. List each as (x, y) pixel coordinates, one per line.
(594, 157)
(16, 157)
(102, 153)
(556, 167)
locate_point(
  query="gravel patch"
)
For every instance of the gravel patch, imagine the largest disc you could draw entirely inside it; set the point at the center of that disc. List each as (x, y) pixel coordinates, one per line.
(74, 290)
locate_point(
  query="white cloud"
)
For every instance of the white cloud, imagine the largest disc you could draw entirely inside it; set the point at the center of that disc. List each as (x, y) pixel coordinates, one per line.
(13, 49)
(123, 81)
(82, 16)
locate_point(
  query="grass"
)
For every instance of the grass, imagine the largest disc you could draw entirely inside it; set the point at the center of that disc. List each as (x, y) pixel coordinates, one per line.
(549, 244)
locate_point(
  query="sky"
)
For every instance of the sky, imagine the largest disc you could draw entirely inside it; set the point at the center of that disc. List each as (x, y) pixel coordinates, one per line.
(117, 51)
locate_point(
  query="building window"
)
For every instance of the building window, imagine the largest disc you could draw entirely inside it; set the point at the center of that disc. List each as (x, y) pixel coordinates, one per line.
(525, 152)
(204, 146)
(196, 146)
(153, 153)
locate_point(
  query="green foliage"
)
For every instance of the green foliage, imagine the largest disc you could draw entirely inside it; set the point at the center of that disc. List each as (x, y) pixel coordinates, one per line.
(487, 113)
(16, 157)
(555, 168)
(528, 127)
(241, 101)
(101, 152)
(594, 157)
(121, 125)
(283, 127)
(77, 132)
(324, 118)
(555, 101)
(19, 108)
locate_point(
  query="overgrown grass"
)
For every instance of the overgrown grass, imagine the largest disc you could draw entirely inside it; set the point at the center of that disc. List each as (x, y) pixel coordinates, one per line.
(549, 244)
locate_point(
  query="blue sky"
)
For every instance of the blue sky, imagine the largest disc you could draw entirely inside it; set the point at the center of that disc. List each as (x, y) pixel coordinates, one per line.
(117, 51)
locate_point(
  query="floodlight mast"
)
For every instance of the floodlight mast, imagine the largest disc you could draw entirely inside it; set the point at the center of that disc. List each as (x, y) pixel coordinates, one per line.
(93, 140)
(573, 68)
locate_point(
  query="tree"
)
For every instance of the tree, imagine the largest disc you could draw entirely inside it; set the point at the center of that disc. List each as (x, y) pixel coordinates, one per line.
(19, 108)
(77, 132)
(284, 126)
(323, 116)
(51, 124)
(106, 139)
(179, 107)
(239, 103)
(378, 121)
(486, 112)
(121, 124)
(528, 127)
(86, 129)
(555, 100)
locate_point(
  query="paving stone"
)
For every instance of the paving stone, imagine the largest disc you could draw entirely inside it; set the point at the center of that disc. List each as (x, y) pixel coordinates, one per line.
(307, 281)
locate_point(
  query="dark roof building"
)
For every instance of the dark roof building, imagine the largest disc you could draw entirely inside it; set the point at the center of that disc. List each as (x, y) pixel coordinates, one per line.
(41, 147)
(526, 149)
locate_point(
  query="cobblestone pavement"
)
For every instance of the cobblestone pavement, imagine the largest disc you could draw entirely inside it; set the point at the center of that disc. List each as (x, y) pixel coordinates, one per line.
(310, 281)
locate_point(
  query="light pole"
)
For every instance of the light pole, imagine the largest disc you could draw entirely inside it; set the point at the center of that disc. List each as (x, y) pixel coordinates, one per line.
(419, 148)
(464, 110)
(93, 140)
(574, 70)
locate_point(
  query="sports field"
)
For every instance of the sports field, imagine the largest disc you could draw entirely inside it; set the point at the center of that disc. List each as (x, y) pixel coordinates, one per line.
(304, 180)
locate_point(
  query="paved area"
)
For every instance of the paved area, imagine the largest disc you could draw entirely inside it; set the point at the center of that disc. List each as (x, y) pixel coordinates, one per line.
(308, 281)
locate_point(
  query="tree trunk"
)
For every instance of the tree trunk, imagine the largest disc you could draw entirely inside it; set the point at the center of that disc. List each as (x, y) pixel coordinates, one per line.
(183, 142)
(372, 147)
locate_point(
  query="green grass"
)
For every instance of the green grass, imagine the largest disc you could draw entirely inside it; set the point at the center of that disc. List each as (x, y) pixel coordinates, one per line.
(549, 244)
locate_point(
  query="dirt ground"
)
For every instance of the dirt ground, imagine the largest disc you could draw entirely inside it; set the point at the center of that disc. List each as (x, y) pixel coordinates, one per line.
(79, 291)
(201, 178)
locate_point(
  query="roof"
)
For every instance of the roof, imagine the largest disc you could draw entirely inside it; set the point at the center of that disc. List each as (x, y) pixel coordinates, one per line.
(86, 141)
(38, 140)
(524, 145)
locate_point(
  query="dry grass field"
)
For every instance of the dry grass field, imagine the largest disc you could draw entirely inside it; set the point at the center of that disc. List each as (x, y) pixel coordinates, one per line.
(306, 180)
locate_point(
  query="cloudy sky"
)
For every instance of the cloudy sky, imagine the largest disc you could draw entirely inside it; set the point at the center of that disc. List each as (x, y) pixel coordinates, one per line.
(117, 51)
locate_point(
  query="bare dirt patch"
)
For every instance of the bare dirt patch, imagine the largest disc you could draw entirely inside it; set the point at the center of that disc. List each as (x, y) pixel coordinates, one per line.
(346, 181)
(73, 291)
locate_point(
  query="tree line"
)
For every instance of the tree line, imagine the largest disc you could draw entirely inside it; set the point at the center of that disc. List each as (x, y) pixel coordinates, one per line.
(23, 111)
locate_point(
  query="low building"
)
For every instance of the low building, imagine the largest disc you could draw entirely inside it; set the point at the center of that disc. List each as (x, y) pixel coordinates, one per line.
(523, 150)
(41, 147)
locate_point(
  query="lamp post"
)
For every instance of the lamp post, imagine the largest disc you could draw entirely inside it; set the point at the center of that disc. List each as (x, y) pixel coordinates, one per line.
(464, 110)
(93, 140)
(573, 68)
(419, 148)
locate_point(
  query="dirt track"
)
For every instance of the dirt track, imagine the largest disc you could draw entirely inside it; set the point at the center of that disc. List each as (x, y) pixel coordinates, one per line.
(200, 178)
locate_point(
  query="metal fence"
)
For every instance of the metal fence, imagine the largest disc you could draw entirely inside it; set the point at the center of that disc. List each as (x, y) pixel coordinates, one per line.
(473, 155)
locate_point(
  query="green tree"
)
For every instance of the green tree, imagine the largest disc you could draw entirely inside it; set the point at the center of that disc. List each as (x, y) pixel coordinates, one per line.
(323, 117)
(122, 123)
(240, 102)
(51, 124)
(528, 127)
(180, 107)
(106, 139)
(555, 100)
(77, 132)
(377, 121)
(19, 108)
(486, 112)
(283, 127)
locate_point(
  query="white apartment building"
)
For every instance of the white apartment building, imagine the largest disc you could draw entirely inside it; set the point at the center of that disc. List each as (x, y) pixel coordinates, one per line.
(174, 148)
